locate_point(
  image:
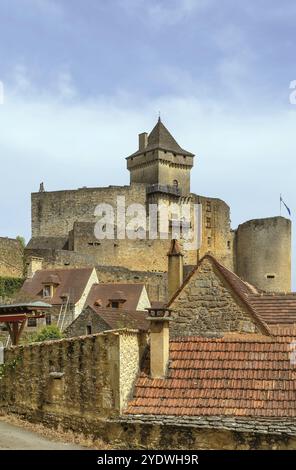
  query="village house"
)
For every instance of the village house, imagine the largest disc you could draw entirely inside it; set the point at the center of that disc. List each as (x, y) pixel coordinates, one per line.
(111, 307)
(65, 289)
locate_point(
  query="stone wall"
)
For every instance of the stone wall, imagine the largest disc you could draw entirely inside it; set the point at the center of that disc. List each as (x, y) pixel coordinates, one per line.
(11, 258)
(67, 218)
(88, 318)
(54, 213)
(207, 306)
(81, 377)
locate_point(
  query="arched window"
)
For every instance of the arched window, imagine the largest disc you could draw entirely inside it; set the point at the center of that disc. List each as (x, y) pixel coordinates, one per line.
(175, 183)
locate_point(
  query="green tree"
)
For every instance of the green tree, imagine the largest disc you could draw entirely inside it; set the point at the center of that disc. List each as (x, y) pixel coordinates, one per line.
(48, 333)
(21, 241)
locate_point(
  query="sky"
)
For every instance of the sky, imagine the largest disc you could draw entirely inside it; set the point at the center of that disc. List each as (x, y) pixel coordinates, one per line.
(82, 79)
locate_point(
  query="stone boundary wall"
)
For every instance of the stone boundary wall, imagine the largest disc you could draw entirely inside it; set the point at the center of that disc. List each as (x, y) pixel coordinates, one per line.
(91, 376)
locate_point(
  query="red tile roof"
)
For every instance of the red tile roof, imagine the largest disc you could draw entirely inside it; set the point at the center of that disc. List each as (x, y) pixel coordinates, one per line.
(102, 293)
(71, 281)
(237, 375)
(275, 308)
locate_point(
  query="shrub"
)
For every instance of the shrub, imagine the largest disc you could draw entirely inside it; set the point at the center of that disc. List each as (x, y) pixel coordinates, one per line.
(9, 286)
(48, 333)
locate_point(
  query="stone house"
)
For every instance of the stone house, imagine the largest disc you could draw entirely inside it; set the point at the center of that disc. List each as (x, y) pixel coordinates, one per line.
(125, 296)
(212, 300)
(65, 289)
(92, 321)
(110, 307)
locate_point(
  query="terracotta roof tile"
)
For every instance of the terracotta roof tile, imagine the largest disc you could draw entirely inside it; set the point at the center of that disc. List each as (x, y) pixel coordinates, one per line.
(229, 376)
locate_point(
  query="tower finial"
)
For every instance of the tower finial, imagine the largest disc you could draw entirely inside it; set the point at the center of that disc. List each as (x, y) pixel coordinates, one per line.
(159, 117)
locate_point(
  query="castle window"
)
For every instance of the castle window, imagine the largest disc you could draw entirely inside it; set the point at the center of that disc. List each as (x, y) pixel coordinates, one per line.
(209, 241)
(114, 304)
(208, 222)
(209, 206)
(175, 184)
(270, 276)
(228, 245)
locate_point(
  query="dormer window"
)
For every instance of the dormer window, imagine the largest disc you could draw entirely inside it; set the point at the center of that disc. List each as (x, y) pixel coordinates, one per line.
(50, 284)
(117, 300)
(47, 291)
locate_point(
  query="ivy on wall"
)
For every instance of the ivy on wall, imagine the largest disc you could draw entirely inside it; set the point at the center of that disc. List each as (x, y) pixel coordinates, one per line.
(9, 286)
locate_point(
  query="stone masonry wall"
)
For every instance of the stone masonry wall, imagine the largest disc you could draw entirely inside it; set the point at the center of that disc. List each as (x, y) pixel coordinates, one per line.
(61, 214)
(78, 377)
(207, 306)
(54, 213)
(11, 258)
(87, 318)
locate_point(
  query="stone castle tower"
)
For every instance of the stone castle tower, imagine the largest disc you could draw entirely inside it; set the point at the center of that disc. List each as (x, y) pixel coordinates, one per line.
(63, 223)
(161, 161)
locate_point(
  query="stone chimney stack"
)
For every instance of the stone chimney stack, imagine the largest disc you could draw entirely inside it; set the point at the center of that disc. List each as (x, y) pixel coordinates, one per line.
(175, 268)
(143, 141)
(34, 264)
(159, 341)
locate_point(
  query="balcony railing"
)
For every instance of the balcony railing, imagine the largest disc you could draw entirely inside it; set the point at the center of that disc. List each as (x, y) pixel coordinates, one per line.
(161, 188)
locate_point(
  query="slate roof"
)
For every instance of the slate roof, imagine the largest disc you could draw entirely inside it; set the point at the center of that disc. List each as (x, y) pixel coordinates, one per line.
(161, 139)
(237, 375)
(71, 282)
(102, 293)
(271, 426)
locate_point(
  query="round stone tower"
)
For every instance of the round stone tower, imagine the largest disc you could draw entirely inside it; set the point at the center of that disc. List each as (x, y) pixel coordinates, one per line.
(263, 253)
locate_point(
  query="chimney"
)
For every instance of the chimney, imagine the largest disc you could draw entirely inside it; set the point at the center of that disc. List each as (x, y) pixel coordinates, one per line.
(159, 341)
(34, 264)
(175, 268)
(143, 141)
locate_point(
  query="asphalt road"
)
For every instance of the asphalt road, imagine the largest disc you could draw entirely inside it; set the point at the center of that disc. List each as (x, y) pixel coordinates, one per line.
(16, 438)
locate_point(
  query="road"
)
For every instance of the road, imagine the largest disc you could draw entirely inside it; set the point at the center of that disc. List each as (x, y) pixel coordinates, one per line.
(16, 438)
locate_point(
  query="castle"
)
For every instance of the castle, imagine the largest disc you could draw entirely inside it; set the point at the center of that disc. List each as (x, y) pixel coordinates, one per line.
(63, 222)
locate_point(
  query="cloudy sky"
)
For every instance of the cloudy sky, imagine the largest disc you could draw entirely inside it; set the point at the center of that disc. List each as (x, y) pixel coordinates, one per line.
(83, 77)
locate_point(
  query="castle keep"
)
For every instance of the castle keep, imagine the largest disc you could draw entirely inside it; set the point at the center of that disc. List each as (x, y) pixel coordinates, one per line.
(63, 222)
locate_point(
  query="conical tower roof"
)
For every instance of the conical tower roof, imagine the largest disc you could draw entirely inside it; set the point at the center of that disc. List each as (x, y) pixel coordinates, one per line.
(161, 139)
